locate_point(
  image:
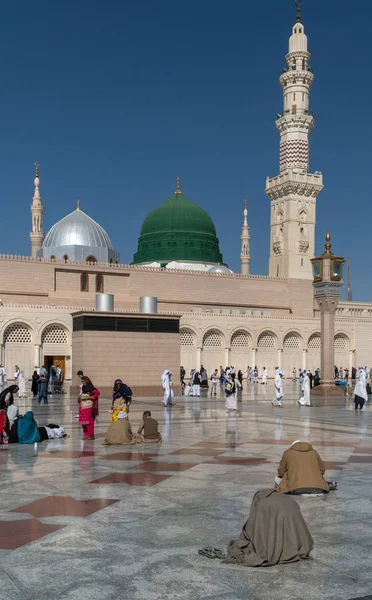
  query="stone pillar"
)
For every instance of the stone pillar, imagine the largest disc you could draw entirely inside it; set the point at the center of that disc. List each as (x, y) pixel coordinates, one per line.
(327, 352)
(351, 356)
(199, 352)
(253, 363)
(279, 358)
(37, 355)
(227, 358)
(304, 361)
(2, 354)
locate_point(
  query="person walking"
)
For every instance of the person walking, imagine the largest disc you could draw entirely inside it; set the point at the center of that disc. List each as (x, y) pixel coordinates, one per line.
(278, 389)
(264, 376)
(17, 372)
(166, 380)
(88, 407)
(43, 388)
(214, 380)
(34, 384)
(230, 393)
(196, 384)
(22, 380)
(306, 388)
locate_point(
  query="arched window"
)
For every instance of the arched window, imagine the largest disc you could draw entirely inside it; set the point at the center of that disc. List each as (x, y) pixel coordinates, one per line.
(99, 284)
(187, 338)
(266, 340)
(314, 342)
(291, 341)
(91, 259)
(240, 339)
(84, 282)
(54, 334)
(65, 257)
(17, 333)
(52, 258)
(212, 339)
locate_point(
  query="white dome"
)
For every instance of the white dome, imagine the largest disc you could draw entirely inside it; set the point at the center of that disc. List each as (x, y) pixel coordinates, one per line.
(77, 229)
(220, 270)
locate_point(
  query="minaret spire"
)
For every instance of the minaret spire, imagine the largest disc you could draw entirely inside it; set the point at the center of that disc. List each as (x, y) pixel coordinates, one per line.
(245, 256)
(37, 209)
(294, 191)
(298, 4)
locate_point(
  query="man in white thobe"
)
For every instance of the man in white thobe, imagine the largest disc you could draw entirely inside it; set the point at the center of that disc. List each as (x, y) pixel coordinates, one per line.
(264, 376)
(305, 399)
(278, 387)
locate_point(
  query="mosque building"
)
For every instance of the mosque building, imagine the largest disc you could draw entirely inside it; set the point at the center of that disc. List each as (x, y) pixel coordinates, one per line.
(254, 320)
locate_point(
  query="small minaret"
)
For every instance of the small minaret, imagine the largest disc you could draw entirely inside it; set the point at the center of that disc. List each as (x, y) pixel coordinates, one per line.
(36, 235)
(245, 256)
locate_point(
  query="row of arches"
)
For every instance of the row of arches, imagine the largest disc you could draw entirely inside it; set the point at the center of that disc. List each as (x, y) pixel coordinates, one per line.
(267, 348)
(28, 346)
(292, 340)
(21, 333)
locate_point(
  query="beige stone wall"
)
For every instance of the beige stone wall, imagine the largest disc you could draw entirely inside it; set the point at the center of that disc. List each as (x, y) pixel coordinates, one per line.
(139, 359)
(50, 292)
(175, 290)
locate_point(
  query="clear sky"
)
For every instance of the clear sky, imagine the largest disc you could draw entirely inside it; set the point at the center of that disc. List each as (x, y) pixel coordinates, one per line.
(115, 99)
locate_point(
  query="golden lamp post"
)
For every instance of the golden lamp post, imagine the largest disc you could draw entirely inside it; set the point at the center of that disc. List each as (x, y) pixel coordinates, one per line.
(327, 283)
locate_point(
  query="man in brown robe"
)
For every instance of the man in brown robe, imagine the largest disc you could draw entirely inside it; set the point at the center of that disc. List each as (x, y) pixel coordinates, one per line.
(275, 533)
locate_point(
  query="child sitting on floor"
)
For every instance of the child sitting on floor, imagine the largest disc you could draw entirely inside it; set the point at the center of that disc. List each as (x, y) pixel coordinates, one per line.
(149, 427)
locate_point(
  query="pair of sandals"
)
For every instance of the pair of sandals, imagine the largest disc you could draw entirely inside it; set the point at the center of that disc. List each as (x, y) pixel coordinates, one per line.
(210, 552)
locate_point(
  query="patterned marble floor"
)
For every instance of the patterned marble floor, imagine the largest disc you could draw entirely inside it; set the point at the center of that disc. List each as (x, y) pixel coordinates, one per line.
(79, 520)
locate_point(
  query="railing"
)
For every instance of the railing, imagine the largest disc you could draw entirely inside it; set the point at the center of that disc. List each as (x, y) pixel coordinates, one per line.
(131, 267)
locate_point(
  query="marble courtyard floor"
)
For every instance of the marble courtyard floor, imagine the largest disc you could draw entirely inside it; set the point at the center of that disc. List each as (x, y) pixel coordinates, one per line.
(79, 520)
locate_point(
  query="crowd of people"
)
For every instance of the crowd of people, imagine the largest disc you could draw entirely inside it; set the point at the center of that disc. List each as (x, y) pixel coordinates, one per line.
(119, 431)
(275, 531)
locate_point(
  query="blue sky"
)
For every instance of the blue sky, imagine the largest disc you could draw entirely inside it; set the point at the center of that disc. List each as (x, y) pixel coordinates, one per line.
(115, 99)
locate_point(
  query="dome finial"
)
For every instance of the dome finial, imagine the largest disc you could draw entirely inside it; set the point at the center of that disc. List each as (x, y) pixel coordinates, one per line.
(328, 243)
(37, 165)
(77, 204)
(178, 185)
(298, 4)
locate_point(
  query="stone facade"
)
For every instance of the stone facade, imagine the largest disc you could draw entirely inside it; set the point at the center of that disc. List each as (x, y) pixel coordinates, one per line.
(225, 319)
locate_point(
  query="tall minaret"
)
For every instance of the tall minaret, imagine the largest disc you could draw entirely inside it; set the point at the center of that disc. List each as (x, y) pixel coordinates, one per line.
(294, 191)
(36, 235)
(245, 257)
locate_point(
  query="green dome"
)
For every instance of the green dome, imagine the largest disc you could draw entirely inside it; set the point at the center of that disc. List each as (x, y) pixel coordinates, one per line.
(178, 230)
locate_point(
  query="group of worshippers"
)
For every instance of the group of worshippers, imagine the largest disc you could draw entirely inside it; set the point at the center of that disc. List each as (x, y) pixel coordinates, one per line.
(120, 431)
(198, 379)
(275, 531)
(22, 429)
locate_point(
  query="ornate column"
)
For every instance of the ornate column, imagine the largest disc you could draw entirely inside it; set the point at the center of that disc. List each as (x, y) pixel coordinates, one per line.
(198, 358)
(304, 361)
(327, 270)
(227, 358)
(279, 358)
(37, 355)
(253, 360)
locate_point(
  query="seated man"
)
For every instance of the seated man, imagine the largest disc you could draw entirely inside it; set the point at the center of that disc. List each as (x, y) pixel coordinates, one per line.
(149, 427)
(301, 471)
